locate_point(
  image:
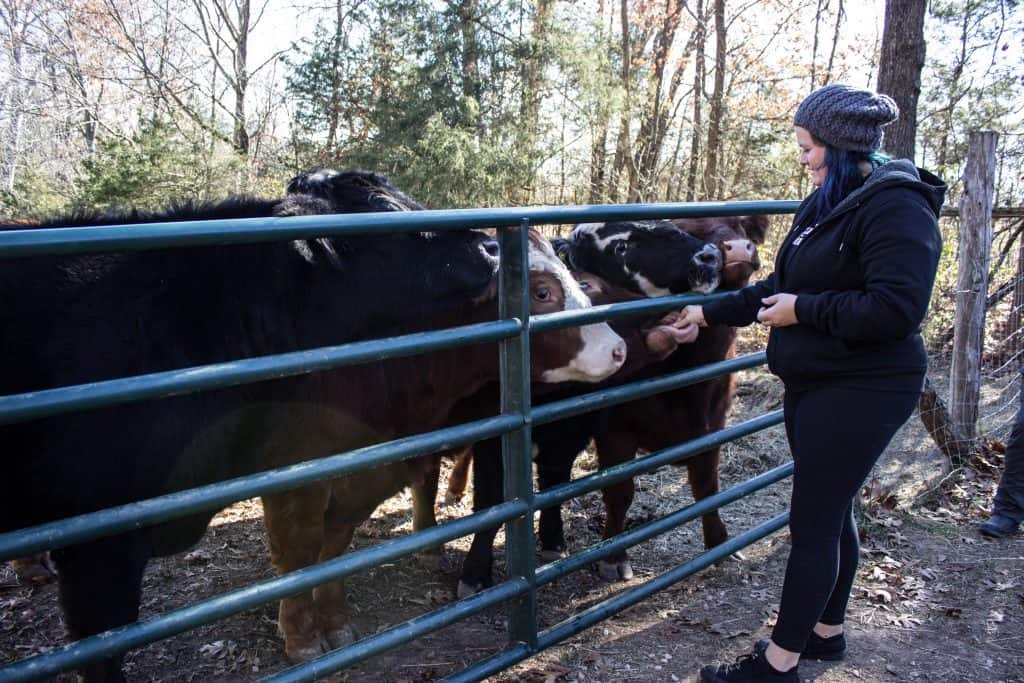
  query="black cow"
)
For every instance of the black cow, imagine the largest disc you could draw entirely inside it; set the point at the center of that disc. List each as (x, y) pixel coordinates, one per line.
(74, 319)
(184, 307)
(672, 417)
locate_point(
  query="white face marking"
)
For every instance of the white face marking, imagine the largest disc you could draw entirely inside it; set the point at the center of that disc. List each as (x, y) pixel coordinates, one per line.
(595, 361)
(543, 259)
(648, 287)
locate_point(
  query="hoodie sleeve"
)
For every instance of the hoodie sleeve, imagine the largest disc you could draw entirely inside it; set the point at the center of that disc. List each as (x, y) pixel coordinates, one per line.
(740, 308)
(899, 254)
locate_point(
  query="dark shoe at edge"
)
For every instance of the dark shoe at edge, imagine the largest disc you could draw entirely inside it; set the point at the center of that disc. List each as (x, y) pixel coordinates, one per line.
(998, 526)
(832, 649)
(750, 668)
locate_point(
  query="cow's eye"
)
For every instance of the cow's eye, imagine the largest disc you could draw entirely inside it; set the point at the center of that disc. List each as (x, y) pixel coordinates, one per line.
(584, 285)
(542, 294)
(620, 248)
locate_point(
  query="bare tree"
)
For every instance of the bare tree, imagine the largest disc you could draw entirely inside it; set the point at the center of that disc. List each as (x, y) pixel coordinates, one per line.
(712, 184)
(899, 70)
(698, 97)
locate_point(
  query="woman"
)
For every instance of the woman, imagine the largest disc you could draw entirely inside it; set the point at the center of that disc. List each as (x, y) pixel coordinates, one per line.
(851, 286)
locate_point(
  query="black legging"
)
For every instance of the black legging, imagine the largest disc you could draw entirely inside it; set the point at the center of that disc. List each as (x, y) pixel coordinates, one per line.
(835, 434)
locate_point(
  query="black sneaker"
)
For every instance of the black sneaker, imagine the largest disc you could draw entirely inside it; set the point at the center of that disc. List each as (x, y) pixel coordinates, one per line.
(998, 526)
(751, 668)
(831, 649)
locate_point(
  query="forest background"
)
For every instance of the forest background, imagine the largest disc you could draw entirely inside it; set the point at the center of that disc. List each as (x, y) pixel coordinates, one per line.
(472, 102)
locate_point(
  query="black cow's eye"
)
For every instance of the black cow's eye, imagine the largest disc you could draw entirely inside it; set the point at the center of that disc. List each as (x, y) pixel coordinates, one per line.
(542, 293)
(620, 248)
(584, 285)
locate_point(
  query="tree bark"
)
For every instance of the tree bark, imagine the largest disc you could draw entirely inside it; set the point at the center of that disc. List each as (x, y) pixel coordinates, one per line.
(647, 147)
(698, 96)
(712, 181)
(899, 70)
(622, 157)
(935, 417)
(972, 282)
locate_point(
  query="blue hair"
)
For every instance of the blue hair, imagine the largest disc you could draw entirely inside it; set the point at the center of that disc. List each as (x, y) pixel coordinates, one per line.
(844, 176)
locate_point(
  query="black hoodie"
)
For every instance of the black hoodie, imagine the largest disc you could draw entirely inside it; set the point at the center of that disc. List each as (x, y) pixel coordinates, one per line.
(863, 278)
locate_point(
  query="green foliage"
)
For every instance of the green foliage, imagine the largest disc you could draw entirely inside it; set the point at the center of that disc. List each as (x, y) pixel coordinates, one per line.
(36, 194)
(152, 167)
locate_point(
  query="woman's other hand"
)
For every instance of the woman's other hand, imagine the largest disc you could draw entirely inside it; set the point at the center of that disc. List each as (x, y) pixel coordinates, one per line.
(779, 310)
(691, 315)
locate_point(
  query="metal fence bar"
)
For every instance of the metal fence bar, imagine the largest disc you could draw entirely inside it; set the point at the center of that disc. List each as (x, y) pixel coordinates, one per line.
(47, 402)
(86, 527)
(115, 641)
(558, 410)
(584, 316)
(515, 445)
(616, 604)
(520, 504)
(36, 404)
(674, 454)
(645, 532)
(402, 633)
(35, 242)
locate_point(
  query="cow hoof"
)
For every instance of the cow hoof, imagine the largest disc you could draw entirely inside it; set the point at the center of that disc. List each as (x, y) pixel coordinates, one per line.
(615, 571)
(466, 590)
(297, 654)
(430, 559)
(34, 570)
(340, 637)
(552, 555)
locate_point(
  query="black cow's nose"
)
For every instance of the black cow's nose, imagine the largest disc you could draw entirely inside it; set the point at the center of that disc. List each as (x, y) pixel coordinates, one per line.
(492, 247)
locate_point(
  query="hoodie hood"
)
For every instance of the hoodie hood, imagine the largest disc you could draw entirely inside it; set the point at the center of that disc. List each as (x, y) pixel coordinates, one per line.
(897, 173)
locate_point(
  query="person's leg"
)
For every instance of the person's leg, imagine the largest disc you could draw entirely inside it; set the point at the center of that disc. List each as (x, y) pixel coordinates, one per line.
(1008, 504)
(837, 435)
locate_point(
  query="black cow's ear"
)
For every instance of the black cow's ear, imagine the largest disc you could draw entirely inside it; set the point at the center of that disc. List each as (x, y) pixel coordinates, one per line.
(561, 247)
(299, 184)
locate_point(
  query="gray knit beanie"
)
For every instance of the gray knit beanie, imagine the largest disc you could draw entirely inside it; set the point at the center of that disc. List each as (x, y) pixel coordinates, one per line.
(846, 117)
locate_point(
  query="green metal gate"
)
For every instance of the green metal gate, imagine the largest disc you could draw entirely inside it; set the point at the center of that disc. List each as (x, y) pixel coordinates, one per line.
(513, 425)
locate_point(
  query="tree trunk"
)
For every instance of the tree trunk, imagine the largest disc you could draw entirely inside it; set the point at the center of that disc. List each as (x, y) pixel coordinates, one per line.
(698, 96)
(649, 137)
(712, 181)
(899, 70)
(241, 84)
(622, 143)
(972, 281)
(935, 417)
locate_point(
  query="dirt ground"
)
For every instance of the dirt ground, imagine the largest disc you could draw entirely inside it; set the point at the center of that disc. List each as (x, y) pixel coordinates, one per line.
(933, 601)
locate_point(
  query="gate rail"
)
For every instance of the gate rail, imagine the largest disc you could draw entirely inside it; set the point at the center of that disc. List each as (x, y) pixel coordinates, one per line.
(513, 425)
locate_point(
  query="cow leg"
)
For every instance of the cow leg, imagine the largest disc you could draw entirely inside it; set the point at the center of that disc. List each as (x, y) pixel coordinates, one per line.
(702, 471)
(295, 531)
(488, 475)
(34, 569)
(424, 495)
(335, 618)
(617, 446)
(554, 467)
(100, 587)
(459, 477)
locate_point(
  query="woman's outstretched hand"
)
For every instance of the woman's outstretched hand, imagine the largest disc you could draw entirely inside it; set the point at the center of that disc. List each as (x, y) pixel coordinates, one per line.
(779, 310)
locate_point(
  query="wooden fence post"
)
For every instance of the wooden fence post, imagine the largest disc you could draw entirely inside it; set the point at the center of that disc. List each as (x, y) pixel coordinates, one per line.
(972, 282)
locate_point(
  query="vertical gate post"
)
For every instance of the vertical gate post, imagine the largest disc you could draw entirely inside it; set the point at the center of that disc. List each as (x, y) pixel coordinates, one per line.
(516, 445)
(972, 281)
